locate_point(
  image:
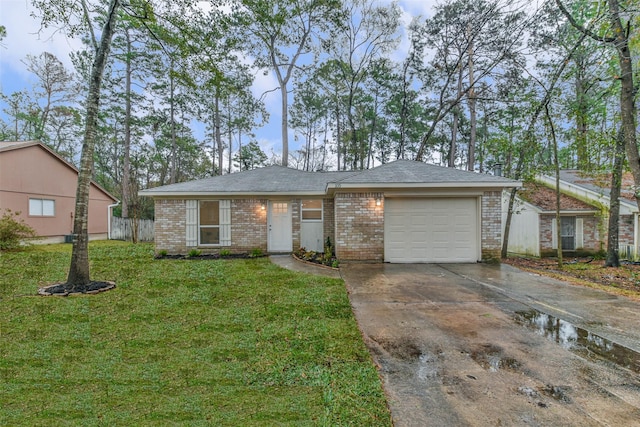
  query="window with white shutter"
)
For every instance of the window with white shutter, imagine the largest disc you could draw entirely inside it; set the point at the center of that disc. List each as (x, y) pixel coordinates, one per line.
(208, 222)
(192, 223)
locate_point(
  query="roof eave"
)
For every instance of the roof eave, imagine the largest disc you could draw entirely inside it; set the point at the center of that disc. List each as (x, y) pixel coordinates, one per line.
(426, 185)
(228, 194)
(569, 212)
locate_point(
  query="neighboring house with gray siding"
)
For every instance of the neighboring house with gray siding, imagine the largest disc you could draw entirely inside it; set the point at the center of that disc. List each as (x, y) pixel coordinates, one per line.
(41, 185)
(404, 211)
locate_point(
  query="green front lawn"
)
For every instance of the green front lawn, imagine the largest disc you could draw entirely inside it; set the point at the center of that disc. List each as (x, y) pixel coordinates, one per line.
(180, 342)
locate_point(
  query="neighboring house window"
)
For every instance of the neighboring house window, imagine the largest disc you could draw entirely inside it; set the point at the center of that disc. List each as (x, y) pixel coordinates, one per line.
(42, 207)
(312, 210)
(571, 233)
(208, 223)
(568, 232)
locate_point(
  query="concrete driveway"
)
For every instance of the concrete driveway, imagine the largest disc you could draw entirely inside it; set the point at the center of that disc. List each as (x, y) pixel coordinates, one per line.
(490, 345)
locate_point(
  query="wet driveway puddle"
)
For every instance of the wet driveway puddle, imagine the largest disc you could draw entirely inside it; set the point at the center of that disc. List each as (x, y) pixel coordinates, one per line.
(578, 340)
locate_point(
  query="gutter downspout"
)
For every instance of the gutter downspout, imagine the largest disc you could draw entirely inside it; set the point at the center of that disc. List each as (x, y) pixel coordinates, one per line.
(109, 219)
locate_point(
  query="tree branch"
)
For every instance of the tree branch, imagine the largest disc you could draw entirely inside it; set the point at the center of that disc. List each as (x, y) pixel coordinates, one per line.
(581, 28)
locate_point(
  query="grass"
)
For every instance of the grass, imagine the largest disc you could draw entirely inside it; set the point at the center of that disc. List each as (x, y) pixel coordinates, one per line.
(180, 342)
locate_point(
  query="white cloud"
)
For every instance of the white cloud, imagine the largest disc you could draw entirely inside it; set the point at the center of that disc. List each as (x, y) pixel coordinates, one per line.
(24, 37)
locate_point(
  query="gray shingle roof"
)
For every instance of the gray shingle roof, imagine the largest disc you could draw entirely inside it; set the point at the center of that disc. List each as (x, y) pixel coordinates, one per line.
(277, 179)
(410, 171)
(271, 179)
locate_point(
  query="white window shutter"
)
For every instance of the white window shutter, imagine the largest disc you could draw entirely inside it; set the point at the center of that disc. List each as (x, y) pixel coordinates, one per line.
(192, 223)
(554, 234)
(225, 222)
(579, 234)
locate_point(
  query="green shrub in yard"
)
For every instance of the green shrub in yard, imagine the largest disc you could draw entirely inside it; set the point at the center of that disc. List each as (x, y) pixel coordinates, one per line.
(194, 253)
(13, 231)
(256, 253)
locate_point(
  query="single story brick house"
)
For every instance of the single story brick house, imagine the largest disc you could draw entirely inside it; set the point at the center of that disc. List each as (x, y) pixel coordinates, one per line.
(584, 212)
(403, 211)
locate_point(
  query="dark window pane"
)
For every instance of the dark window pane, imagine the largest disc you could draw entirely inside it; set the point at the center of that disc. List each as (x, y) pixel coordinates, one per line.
(312, 215)
(210, 213)
(312, 204)
(209, 236)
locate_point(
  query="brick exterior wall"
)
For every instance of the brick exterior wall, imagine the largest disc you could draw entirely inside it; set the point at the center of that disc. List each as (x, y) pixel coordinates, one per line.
(248, 225)
(329, 221)
(491, 225)
(170, 226)
(625, 233)
(359, 227)
(295, 222)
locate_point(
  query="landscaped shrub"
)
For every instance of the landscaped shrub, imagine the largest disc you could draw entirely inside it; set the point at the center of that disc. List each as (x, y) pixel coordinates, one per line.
(256, 253)
(194, 253)
(13, 231)
(325, 258)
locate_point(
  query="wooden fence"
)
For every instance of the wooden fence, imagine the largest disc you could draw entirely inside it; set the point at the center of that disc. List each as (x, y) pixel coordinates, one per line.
(123, 229)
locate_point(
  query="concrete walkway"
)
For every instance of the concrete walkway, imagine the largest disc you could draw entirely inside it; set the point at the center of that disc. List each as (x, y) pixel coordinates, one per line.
(290, 263)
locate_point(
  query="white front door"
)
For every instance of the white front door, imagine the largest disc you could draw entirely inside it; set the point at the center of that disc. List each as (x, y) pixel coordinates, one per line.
(279, 227)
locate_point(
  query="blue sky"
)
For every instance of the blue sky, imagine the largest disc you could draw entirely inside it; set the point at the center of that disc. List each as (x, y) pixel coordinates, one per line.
(23, 38)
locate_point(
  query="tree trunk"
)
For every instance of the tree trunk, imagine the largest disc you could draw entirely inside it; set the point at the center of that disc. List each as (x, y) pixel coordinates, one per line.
(507, 224)
(471, 100)
(285, 125)
(218, 135)
(454, 126)
(230, 135)
(174, 148)
(78, 278)
(126, 163)
(581, 123)
(338, 135)
(556, 165)
(613, 259)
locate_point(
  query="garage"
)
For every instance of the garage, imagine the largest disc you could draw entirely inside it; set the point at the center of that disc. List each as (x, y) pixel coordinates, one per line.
(431, 230)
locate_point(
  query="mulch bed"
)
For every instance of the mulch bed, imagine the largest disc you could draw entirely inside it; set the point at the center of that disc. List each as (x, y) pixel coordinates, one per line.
(60, 289)
(209, 256)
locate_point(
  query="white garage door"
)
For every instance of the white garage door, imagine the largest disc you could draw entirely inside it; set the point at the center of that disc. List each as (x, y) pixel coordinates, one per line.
(431, 230)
